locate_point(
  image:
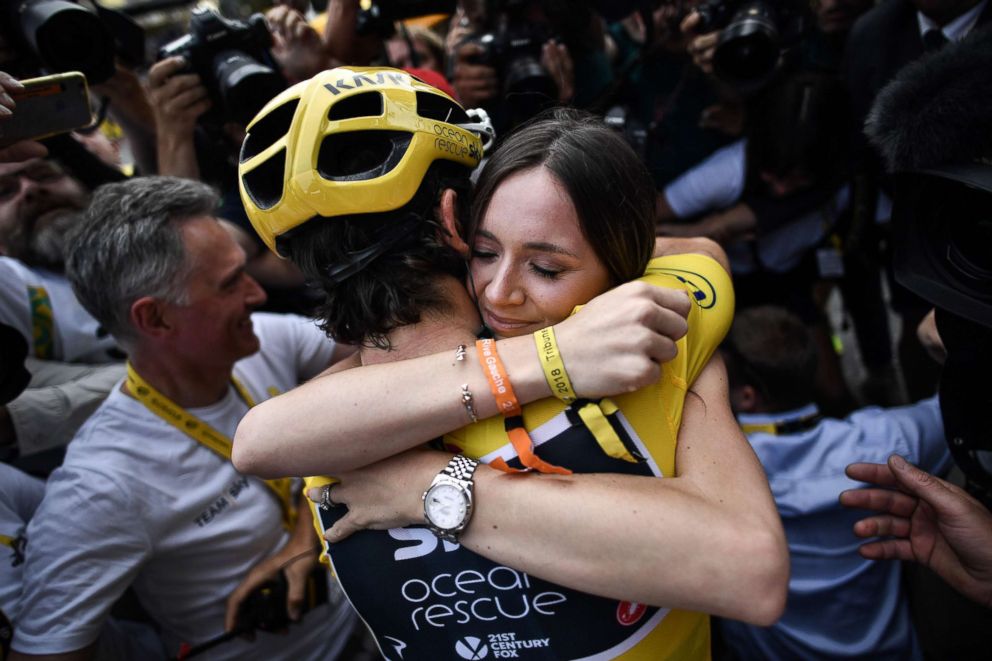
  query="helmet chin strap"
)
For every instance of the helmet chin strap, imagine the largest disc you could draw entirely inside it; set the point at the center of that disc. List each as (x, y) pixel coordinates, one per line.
(388, 236)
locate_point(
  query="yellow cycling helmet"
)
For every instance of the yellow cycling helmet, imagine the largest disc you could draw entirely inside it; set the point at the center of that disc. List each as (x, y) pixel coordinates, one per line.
(351, 140)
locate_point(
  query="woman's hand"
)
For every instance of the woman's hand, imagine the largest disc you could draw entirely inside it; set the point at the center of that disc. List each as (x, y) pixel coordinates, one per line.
(617, 342)
(386, 494)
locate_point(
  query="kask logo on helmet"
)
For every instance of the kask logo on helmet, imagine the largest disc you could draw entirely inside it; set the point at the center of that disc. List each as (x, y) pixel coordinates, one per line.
(360, 80)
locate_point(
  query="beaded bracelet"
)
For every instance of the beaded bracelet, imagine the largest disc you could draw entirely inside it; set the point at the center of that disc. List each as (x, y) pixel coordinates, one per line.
(468, 401)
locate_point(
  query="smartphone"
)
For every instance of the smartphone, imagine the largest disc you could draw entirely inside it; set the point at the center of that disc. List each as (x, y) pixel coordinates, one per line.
(47, 106)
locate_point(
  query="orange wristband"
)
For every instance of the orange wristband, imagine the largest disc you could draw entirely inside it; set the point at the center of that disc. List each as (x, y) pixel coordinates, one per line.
(499, 382)
(506, 402)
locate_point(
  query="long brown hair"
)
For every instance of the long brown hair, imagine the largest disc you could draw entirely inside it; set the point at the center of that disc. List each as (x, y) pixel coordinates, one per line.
(611, 189)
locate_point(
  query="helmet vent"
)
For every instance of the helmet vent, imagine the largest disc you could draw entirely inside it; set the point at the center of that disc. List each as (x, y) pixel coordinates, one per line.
(268, 129)
(361, 155)
(437, 107)
(264, 183)
(367, 104)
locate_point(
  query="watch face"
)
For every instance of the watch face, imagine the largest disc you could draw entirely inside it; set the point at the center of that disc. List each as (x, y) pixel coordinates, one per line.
(446, 506)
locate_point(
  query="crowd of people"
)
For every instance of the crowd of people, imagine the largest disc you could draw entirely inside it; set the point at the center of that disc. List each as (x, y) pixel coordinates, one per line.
(503, 327)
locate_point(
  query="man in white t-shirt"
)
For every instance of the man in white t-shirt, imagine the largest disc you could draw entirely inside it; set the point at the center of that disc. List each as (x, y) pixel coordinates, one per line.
(145, 498)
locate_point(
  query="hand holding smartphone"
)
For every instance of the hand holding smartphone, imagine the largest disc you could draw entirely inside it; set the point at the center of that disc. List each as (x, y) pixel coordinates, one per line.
(47, 106)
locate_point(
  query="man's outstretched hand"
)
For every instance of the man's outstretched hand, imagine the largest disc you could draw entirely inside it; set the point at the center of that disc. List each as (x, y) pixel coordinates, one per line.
(927, 520)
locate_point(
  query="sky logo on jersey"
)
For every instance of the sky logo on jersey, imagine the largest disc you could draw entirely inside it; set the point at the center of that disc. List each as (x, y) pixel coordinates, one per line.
(424, 542)
(471, 648)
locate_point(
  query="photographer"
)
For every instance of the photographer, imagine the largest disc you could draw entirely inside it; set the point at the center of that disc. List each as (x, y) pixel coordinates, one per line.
(38, 38)
(200, 101)
(743, 43)
(517, 57)
(670, 112)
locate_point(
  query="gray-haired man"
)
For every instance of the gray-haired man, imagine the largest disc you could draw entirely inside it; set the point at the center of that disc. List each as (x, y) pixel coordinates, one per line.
(145, 496)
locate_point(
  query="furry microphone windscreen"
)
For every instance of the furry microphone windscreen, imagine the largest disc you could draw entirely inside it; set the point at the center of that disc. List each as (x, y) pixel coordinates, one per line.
(938, 109)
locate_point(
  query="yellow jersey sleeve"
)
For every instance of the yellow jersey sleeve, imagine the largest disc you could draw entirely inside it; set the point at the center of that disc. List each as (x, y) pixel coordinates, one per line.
(712, 294)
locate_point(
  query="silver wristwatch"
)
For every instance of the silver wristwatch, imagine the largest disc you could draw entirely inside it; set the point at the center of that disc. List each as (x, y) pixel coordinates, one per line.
(448, 500)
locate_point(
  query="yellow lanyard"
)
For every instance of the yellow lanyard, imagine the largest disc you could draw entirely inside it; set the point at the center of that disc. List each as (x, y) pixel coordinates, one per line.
(42, 323)
(783, 427)
(204, 434)
(16, 544)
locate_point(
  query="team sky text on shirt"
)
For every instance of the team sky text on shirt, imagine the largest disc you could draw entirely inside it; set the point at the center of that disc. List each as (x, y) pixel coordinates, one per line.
(222, 503)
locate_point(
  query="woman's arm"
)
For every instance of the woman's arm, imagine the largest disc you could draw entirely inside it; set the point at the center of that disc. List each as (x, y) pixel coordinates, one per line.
(615, 344)
(708, 539)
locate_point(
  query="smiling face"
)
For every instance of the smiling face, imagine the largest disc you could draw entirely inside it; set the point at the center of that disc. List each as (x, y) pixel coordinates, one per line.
(531, 264)
(215, 318)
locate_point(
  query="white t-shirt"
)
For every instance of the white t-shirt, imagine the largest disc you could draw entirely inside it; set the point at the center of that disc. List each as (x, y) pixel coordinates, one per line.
(138, 502)
(718, 182)
(76, 337)
(714, 183)
(20, 495)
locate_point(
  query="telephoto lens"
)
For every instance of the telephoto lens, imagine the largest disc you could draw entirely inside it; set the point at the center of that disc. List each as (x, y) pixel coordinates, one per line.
(66, 36)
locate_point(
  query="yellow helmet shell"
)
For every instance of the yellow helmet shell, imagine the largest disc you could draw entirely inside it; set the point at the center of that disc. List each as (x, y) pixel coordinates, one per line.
(289, 172)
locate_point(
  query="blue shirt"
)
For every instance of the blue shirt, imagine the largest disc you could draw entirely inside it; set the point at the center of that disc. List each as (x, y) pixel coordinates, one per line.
(840, 605)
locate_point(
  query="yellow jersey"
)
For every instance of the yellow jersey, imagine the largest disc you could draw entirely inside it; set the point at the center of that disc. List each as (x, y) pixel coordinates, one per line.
(427, 598)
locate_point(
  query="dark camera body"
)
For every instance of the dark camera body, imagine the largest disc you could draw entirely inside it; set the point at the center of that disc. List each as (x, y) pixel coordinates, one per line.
(753, 34)
(57, 36)
(232, 59)
(621, 119)
(515, 53)
(265, 608)
(512, 46)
